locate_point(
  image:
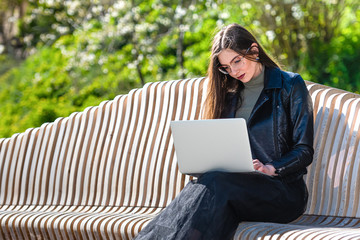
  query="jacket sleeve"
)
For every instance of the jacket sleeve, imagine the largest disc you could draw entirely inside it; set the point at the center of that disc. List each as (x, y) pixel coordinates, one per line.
(302, 120)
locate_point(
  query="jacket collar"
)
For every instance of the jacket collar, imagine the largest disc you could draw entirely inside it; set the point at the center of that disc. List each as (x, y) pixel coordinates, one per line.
(272, 78)
(272, 81)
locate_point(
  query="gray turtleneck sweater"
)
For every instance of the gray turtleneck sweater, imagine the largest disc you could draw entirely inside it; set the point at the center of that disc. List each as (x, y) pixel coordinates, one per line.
(250, 95)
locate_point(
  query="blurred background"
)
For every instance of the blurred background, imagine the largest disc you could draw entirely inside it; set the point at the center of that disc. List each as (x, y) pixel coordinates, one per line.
(60, 56)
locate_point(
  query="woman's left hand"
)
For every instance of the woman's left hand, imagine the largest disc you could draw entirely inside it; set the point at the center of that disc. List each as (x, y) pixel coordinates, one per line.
(267, 169)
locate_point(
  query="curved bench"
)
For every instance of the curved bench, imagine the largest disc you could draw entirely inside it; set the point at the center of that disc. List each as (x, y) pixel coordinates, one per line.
(106, 172)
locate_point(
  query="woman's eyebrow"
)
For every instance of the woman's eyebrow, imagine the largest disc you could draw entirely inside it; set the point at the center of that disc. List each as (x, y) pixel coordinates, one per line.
(234, 58)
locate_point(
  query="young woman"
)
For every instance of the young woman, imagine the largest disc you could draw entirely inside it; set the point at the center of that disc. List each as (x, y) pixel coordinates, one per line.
(245, 82)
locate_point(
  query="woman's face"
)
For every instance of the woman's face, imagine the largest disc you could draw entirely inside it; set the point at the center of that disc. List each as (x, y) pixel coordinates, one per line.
(238, 66)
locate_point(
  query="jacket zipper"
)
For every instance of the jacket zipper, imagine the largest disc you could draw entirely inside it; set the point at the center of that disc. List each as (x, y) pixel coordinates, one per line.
(275, 125)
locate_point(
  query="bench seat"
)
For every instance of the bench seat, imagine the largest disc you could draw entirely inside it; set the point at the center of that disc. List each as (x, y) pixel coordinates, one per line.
(73, 222)
(306, 227)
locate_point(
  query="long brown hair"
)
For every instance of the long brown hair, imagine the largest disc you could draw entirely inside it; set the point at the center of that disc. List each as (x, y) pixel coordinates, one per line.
(238, 39)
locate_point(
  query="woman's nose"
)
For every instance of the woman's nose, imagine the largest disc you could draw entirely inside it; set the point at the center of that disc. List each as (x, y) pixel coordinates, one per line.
(235, 69)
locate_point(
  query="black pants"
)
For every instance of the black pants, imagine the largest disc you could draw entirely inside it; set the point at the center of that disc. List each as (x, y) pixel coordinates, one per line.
(212, 206)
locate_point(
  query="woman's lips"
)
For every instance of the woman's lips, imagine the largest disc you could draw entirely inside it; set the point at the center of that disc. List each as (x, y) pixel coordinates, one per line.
(241, 76)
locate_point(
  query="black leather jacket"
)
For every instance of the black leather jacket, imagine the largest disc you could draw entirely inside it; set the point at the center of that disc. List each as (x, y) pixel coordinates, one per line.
(281, 124)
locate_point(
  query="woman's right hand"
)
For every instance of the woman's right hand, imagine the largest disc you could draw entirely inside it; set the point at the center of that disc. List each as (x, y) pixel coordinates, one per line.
(264, 168)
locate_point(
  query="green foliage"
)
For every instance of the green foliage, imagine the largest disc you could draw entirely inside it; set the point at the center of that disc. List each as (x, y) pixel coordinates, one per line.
(26, 102)
(84, 52)
(46, 21)
(57, 81)
(337, 63)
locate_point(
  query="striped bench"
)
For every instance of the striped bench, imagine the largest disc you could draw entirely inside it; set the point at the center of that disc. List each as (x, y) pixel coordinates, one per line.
(106, 172)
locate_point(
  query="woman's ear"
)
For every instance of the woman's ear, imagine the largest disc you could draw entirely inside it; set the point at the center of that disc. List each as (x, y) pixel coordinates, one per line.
(254, 49)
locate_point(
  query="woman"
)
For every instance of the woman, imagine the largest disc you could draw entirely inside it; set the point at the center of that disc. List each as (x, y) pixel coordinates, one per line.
(245, 82)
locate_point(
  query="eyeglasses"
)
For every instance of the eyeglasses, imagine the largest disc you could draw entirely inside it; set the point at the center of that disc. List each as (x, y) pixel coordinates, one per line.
(235, 63)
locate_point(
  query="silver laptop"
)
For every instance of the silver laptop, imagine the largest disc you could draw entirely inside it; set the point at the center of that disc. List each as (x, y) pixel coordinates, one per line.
(212, 145)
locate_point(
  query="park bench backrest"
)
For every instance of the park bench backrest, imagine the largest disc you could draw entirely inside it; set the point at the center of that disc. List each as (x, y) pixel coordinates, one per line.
(117, 154)
(121, 152)
(334, 177)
